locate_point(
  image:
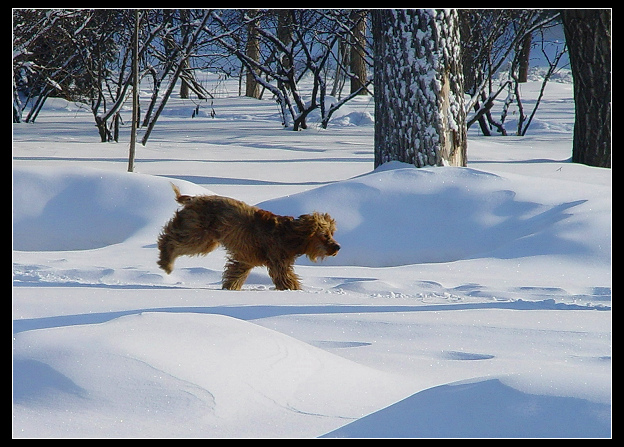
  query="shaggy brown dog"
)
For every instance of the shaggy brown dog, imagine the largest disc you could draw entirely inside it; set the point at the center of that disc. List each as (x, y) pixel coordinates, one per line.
(251, 236)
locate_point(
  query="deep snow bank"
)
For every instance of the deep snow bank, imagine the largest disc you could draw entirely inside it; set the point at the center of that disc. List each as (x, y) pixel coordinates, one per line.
(400, 215)
(164, 374)
(81, 209)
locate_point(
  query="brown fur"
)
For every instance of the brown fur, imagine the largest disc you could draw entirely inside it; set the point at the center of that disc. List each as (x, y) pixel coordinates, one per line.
(251, 236)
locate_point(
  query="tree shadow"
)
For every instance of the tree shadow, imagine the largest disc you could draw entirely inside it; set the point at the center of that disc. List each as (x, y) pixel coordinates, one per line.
(256, 312)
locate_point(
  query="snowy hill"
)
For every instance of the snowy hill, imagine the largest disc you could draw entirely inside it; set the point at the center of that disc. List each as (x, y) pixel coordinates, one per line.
(465, 302)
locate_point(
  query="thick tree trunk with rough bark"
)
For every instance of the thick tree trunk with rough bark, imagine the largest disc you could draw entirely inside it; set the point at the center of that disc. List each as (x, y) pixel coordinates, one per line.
(588, 36)
(419, 100)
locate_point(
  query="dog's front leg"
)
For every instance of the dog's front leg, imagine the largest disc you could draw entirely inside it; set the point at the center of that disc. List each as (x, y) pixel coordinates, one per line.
(235, 274)
(284, 277)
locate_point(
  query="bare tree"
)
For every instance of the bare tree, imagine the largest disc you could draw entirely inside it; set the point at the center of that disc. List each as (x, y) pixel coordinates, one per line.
(419, 105)
(297, 46)
(85, 56)
(493, 39)
(524, 120)
(180, 56)
(66, 53)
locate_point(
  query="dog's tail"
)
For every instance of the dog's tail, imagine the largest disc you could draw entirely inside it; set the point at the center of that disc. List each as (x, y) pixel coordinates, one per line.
(180, 198)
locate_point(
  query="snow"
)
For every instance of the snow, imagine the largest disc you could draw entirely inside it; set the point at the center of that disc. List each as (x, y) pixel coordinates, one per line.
(465, 302)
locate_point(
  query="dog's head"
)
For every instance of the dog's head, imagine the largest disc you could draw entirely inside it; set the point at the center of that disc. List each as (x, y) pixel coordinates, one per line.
(318, 232)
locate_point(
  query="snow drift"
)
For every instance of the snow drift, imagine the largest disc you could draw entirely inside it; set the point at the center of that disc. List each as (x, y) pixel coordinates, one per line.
(401, 215)
(496, 410)
(393, 216)
(82, 209)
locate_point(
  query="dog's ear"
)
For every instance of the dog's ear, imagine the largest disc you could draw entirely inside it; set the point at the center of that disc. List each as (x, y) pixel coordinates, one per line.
(306, 225)
(329, 221)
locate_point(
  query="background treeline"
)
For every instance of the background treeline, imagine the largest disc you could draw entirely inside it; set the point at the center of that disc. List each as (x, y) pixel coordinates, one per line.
(85, 56)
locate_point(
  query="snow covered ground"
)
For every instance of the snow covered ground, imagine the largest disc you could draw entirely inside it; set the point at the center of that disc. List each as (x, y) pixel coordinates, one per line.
(465, 302)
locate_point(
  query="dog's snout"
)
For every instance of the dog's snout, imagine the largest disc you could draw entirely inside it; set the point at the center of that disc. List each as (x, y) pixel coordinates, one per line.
(334, 248)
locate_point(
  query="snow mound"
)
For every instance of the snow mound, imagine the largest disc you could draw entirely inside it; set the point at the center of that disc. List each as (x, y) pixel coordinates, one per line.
(81, 209)
(354, 119)
(482, 409)
(400, 215)
(345, 116)
(148, 374)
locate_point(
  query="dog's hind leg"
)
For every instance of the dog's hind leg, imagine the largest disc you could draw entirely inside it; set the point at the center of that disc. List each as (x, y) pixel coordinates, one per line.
(170, 248)
(235, 274)
(166, 255)
(179, 238)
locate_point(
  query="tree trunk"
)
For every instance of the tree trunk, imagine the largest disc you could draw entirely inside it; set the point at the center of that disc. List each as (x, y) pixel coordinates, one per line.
(523, 58)
(284, 34)
(340, 74)
(102, 129)
(184, 19)
(252, 50)
(358, 62)
(419, 103)
(588, 36)
(135, 92)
